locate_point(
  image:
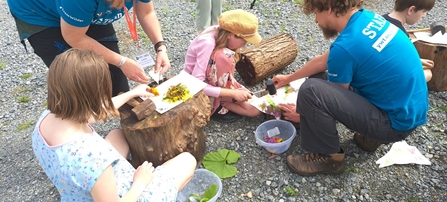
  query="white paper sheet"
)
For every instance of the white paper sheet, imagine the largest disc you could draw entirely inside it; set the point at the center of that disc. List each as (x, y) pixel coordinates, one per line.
(402, 153)
(438, 38)
(286, 94)
(153, 75)
(193, 84)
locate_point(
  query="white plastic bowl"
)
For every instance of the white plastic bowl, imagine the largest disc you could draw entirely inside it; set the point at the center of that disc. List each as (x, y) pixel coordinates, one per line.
(199, 183)
(286, 131)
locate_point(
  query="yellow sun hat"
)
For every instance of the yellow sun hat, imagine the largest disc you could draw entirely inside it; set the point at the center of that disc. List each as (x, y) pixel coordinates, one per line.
(242, 24)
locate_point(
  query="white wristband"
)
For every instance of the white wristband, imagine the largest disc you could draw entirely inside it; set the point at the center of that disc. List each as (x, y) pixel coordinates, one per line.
(123, 60)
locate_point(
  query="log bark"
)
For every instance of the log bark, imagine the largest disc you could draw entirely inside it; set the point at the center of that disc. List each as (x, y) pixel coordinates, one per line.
(438, 54)
(156, 138)
(260, 61)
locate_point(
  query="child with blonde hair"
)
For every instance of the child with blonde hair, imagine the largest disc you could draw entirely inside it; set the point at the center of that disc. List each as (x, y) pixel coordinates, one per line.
(211, 57)
(81, 164)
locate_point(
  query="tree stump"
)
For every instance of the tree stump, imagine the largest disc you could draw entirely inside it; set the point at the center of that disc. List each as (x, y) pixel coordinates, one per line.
(156, 137)
(437, 53)
(260, 61)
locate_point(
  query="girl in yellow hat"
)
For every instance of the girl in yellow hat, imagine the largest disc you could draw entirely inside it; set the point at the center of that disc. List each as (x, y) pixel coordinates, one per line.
(211, 57)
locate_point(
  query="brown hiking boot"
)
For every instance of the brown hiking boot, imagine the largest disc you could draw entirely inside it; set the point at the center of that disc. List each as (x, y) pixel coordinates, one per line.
(366, 143)
(312, 164)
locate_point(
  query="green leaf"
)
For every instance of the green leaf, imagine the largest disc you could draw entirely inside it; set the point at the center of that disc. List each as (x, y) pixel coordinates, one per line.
(216, 162)
(204, 200)
(210, 192)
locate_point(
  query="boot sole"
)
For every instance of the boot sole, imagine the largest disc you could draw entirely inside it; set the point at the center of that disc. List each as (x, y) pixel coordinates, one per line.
(337, 172)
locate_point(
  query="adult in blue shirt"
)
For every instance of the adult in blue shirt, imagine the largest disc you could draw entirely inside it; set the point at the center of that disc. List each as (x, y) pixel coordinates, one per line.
(54, 26)
(370, 89)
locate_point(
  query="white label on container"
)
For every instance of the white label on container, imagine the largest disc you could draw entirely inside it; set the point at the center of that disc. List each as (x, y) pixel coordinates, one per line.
(273, 132)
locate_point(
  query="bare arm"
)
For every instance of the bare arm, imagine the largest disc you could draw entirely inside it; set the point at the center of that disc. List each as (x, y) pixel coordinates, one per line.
(76, 37)
(316, 65)
(149, 22)
(140, 90)
(118, 101)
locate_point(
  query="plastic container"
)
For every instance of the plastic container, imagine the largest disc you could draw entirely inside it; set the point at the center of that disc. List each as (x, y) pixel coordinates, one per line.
(199, 183)
(286, 131)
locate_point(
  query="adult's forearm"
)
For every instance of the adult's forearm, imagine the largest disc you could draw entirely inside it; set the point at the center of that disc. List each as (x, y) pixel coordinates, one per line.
(76, 37)
(316, 65)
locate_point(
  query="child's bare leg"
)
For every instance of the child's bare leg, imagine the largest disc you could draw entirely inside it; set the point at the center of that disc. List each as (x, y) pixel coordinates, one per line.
(244, 109)
(182, 167)
(116, 139)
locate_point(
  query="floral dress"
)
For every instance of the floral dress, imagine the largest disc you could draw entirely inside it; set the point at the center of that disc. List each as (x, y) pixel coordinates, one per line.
(220, 73)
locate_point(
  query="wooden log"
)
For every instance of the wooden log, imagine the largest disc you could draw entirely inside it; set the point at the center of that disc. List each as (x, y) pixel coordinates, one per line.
(159, 137)
(438, 54)
(260, 61)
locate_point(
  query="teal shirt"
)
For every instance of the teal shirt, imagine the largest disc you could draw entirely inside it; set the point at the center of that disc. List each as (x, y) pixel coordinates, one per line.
(79, 13)
(382, 65)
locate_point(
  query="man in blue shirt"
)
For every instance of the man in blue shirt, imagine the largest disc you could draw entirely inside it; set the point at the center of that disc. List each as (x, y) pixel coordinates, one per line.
(375, 86)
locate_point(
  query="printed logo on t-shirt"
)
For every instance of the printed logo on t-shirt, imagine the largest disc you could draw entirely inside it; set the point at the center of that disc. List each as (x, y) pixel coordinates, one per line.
(376, 24)
(374, 27)
(385, 38)
(71, 17)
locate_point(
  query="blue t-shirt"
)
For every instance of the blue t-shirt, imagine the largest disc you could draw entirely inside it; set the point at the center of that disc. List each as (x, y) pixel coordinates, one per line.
(381, 64)
(79, 13)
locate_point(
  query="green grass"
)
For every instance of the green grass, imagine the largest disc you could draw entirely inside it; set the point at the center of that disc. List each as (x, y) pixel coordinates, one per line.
(193, 1)
(438, 108)
(298, 2)
(45, 104)
(20, 89)
(23, 98)
(24, 125)
(413, 199)
(351, 169)
(193, 13)
(4, 123)
(2, 65)
(25, 76)
(310, 39)
(290, 191)
(277, 12)
(265, 22)
(226, 8)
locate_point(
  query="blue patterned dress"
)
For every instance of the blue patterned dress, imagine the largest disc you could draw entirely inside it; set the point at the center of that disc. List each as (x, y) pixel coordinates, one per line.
(75, 165)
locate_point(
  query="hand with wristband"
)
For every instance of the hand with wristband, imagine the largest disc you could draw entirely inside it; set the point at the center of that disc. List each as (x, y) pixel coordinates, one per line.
(162, 63)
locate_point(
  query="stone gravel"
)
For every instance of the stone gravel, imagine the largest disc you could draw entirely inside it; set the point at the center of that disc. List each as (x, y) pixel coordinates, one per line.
(23, 75)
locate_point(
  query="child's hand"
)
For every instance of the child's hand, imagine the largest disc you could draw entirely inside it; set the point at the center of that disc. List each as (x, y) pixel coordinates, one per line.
(427, 64)
(143, 175)
(142, 90)
(242, 95)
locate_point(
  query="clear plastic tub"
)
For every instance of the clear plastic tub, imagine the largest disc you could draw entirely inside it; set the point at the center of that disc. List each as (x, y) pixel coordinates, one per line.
(287, 132)
(200, 182)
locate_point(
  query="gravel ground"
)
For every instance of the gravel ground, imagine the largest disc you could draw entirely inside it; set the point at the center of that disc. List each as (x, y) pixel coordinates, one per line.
(23, 74)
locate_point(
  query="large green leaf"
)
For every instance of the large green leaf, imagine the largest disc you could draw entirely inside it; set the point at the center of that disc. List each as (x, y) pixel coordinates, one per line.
(217, 162)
